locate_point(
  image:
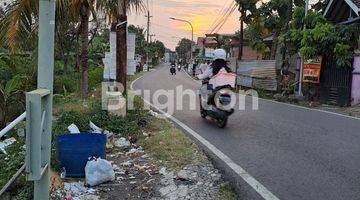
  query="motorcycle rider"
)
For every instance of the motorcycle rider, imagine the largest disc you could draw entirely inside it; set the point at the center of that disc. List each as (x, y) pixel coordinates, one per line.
(219, 64)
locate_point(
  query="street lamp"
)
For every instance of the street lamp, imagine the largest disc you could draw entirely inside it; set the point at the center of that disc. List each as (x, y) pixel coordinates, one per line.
(192, 33)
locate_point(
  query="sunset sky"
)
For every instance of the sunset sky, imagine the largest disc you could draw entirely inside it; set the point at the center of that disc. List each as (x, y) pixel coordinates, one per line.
(201, 13)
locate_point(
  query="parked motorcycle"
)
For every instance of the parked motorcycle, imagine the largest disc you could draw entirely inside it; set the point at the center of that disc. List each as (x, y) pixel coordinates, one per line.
(216, 104)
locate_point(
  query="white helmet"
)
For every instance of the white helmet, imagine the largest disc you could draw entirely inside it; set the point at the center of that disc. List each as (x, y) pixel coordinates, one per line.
(219, 54)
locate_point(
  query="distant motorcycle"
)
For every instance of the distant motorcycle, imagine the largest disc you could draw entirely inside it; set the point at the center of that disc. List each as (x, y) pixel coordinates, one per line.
(172, 69)
(179, 67)
(215, 104)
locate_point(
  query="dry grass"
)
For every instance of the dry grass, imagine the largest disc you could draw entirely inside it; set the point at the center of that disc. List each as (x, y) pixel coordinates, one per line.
(170, 146)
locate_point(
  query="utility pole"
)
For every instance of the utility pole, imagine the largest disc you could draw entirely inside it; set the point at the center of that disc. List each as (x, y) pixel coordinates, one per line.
(302, 58)
(241, 38)
(121, 45)
(148, 36)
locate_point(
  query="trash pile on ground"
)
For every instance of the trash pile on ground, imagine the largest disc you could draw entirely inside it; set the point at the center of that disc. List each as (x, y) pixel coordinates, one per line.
(199, 182)
(129, 173)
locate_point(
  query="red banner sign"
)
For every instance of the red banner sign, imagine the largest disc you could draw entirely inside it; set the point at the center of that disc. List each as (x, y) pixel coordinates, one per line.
(312, 70)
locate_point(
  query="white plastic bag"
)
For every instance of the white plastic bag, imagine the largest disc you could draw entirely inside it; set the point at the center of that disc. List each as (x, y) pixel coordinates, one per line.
(73, 129)
(6, 143)
(98, 171)
(94, 128)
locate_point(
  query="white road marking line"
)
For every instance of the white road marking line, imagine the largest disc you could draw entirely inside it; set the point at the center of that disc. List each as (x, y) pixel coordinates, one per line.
(297, 106)
(256, 185)
(312, 109)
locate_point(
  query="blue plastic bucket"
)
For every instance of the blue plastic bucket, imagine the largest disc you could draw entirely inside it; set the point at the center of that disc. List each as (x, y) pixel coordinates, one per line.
(73, 151)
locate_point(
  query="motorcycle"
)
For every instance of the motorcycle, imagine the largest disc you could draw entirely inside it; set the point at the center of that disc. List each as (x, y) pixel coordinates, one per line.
(172, 69)
(216, 104)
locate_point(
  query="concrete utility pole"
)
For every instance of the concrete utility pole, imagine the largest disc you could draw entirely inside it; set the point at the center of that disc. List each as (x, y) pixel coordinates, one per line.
(241, 39)
(121, 45)
(148, 36)
(302, 59)
(39, 106)
(192, 34)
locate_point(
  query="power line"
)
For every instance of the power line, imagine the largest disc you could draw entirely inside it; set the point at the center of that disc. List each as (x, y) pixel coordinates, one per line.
(225, 20)
(225, 17)
(220, 19)
(221, 12)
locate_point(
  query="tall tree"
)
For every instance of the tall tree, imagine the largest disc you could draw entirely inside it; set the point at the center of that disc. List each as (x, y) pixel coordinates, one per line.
(82, 9)
(183, 48)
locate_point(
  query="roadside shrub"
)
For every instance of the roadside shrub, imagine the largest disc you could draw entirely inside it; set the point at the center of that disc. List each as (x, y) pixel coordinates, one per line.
(95, 77)
(12, 161)
(68, 117)
(65, 84)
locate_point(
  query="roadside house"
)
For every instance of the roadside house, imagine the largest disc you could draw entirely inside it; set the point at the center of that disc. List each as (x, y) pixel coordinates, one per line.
(341, 86)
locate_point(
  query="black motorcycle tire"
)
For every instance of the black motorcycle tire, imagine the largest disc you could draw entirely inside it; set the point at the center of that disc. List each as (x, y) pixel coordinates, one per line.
(202, 110)
(221, 123)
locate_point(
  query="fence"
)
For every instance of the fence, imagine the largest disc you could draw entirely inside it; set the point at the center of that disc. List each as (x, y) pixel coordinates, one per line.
(4, 132)
(257, 74)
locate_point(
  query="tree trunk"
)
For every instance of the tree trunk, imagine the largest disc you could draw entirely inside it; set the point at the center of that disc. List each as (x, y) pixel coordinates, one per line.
(121, 47)
(77, 55)
(274, 47)
(84, 49)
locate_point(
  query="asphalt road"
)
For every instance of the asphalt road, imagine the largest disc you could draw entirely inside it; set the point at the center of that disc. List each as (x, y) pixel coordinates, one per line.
(296, 153)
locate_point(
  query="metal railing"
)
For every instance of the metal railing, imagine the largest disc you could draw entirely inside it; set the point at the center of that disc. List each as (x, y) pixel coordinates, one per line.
(3, 132)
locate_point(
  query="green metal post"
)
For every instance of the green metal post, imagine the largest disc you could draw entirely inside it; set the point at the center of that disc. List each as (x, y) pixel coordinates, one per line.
(45, 81)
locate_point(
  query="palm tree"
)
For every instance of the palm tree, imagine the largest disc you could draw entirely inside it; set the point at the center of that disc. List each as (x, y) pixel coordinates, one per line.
(82, 10)
(20, 23)
(20, 20)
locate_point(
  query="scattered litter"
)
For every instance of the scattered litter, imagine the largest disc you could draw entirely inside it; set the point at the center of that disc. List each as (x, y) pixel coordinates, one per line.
(135, 152)
(157, 115)
(98, 171)
(6, 143)
(73, 129)
(122, 142)
(145, 156)
(77, 191)
(152, 113)
(91, 191)
(108, 133)
(142, 122)
(75, 188)
(63, 172)
(94, 128)
(162, 171)
(149, 134)
(145, 134)
(116, 168)
(126, 164)
(139, 168)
